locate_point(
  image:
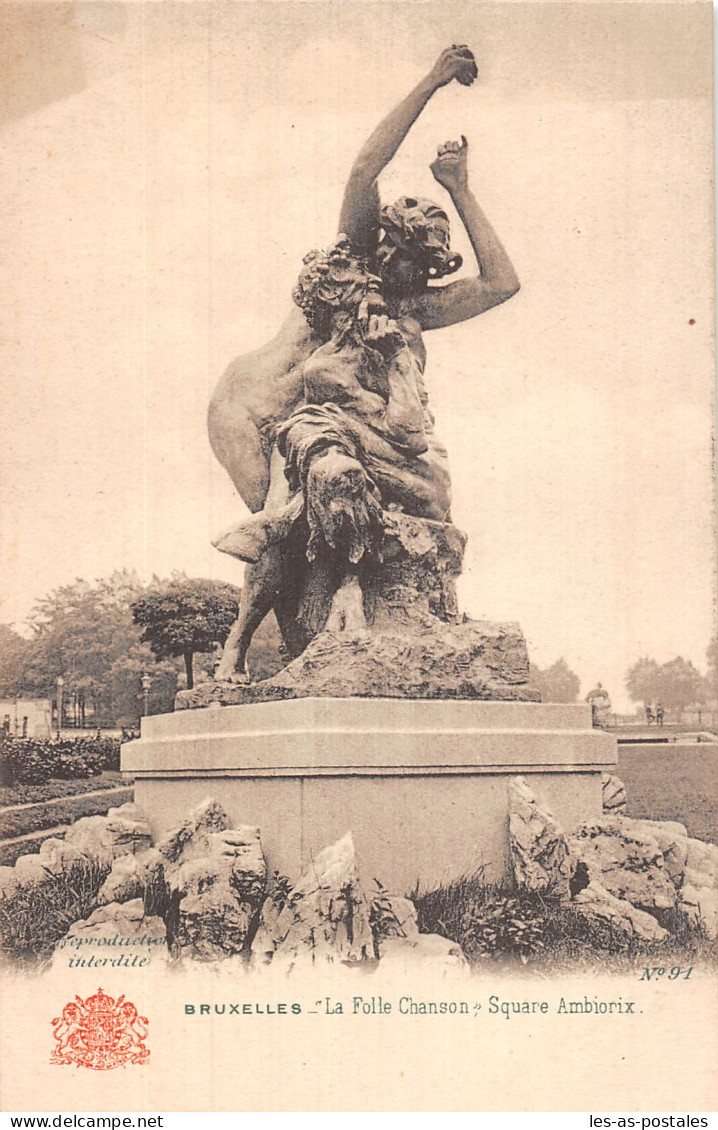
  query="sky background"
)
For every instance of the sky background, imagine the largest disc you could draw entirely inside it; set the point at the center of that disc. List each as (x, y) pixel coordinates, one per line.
(166, 167)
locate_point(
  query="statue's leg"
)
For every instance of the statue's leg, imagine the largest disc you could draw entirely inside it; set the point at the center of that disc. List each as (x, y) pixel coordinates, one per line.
(262, 582)
(421, 486)
(238, 445)
(266, 583)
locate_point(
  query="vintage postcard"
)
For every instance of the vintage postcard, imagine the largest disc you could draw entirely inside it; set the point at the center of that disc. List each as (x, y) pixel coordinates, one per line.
(358, 666)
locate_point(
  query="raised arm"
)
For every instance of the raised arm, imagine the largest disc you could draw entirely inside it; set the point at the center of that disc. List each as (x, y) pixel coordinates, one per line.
(360, 208)
(496, 281)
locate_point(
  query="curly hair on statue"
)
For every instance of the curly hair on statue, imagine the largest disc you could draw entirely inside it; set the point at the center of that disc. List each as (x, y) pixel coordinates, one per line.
(420, 229)
(331, 286)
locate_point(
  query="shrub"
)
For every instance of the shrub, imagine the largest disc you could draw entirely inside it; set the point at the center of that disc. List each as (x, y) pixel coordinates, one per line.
(504, 923)
(35, 917)
(502, 926)
(26, 761)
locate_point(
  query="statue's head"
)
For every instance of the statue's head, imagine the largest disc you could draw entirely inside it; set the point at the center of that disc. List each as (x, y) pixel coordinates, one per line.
(414, 246)
(332, 286)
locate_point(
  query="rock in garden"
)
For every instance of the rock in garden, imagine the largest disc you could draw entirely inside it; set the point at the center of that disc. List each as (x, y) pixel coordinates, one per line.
(191, 836)
(626, 860)
(598, 904)
(30, 869)
(699, 893)
(539, 851)
(89, 836)
(702, 859)
(672, 839)
(700, 906)
(220, 893)
(128, 830)
(213, 925)
(130, 876)
(613, 794)
(112, 932)
(58, 856)
(123, 831)
(326, 916)
(267, 936)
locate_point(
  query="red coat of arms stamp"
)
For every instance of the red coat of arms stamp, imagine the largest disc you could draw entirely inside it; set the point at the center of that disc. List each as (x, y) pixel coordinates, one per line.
(100, 1033)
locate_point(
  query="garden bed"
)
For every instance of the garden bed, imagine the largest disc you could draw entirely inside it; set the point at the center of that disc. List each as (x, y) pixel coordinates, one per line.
(535, 932)
(25, 820)
(33, 794)
(35, 917)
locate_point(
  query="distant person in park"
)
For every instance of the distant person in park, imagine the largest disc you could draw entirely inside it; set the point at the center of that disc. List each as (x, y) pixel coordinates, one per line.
(405, 246)
(659, 714)
(649, 713)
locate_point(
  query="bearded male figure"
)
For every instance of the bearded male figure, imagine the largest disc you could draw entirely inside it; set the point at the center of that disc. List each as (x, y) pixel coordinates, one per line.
(406, 245)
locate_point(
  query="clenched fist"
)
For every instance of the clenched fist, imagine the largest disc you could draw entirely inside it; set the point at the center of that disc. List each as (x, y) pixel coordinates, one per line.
(456, 62)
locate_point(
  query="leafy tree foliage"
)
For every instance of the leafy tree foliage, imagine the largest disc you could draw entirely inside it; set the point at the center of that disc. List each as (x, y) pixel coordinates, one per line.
(186, 616)
(676, 684)
(557, 683)
(681, 684)
(80, 631)
(13, 649)
(643, 681)
(84, 632)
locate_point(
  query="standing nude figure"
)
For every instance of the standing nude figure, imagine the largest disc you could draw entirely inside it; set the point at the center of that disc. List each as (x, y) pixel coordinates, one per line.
(406, 245)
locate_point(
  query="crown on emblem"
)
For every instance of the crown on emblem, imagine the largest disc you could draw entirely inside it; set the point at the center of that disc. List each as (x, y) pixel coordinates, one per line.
(101, 1004)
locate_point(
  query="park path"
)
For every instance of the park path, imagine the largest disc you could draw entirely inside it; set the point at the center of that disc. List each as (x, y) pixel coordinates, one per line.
(63, 799)
(43, 834)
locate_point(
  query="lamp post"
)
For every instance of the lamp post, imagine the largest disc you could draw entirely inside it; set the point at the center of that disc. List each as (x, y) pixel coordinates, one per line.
(146, 682)
(60, 685)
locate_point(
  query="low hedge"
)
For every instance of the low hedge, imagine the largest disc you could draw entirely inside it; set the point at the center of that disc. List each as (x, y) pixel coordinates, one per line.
(27, 761)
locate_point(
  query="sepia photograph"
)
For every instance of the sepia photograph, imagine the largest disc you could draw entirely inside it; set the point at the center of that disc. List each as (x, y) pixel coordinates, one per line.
(359, 653)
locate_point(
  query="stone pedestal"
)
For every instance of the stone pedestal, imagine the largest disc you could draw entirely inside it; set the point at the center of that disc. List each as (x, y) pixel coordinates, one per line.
(422, 784)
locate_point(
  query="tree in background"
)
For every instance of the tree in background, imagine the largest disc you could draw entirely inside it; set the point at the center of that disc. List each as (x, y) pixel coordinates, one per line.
(124, 681)
(643, 681)
(557, 683)
(681, 685)
(79, 631)
(676, 684)
(84, 632)
(13, 649)
(186, 616)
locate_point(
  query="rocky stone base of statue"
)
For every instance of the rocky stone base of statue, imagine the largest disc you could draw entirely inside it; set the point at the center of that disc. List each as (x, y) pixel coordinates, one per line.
(203, 892)
(398, 635)
(639, 877)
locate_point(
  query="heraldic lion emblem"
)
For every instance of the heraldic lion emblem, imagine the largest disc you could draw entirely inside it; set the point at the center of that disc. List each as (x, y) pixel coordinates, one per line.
(100, 1033)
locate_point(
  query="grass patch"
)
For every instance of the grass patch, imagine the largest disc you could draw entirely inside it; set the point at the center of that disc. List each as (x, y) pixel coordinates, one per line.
(500, 924)
(673, 782)
(33, 794)
(43, 816)
(35, 917)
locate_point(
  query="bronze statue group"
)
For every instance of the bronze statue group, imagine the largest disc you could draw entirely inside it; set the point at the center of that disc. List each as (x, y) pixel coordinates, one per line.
(327, 428)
